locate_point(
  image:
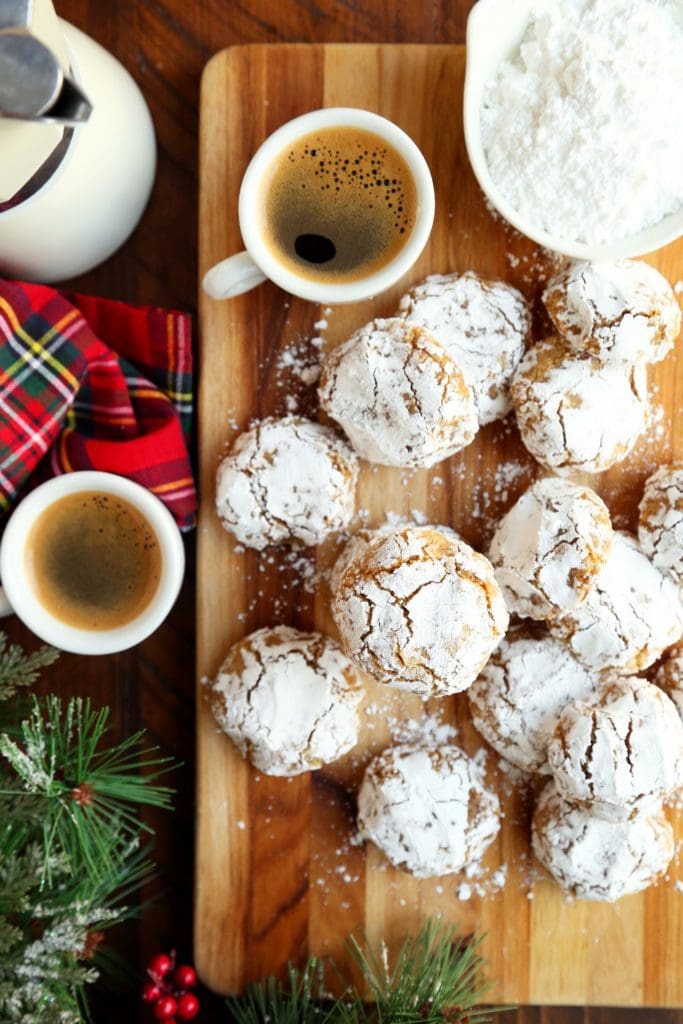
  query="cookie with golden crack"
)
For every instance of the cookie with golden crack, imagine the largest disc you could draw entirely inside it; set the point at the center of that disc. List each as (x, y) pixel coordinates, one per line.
(288, 700)
(427, 809)
(592, 859)
(485, 325)
(623, 312)
(660, 525)
(359, 541)
(286, 480)
(631, 615)
(618, 752)
(576, 415)
(549, 548)
(669, 676)
(522, 691)
(420, 611)
(398, 395)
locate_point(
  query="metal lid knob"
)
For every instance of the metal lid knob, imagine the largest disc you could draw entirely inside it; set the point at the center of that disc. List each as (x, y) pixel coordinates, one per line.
(31, 77)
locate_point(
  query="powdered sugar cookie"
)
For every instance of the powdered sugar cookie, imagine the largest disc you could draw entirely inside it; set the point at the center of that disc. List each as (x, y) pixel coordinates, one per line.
(286, 480)
(669, 676)
(358, 543)
(427, 809)
(660, 527)
(420, 611)
(593, 859)
(548, 549)
(484, 325)
(518, 698)
(575, 414)
(288, 700)
(620, 751)
(631, 615)
(398, 395)
(623, 312)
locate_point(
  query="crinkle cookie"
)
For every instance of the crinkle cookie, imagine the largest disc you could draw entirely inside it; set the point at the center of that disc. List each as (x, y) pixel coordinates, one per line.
(359, 541)
(669, 676)
(288, 700)
(420, 611)
(485, 325)
(593, 859)
(576, 415)
(620, 751)
(286, 480)
(398, 395)
(548, 549)
(660, 527)
(427, 809)
(623, 312)
(518, 698)
(632, 614)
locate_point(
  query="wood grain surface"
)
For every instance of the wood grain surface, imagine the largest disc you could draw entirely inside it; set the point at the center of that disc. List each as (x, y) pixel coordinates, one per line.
(277, 877)
(165, 45)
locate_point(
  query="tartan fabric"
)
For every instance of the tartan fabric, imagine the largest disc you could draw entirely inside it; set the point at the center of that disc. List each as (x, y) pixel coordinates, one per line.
(88, 383)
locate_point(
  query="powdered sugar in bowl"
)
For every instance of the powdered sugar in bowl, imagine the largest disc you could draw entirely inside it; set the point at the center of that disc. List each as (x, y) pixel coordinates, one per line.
(586, 163)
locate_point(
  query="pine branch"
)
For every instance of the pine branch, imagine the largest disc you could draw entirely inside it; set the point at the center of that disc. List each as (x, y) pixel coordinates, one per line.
(300, 1000)
(18, 669)
(70, 852)
(436, 977)
(89, 795)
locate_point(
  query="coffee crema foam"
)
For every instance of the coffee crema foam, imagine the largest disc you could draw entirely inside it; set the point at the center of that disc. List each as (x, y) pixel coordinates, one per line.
(93, 560)
(340, 205)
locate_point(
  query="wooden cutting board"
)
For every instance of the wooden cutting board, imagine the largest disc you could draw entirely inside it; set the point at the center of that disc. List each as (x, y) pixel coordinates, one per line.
(276, 877)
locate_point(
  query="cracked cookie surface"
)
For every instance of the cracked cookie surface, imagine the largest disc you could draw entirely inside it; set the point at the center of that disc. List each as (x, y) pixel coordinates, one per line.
(420, 610)
(632, 614)
(624, 312)
(398, 395)
(288, 700)
(518, 698)
(593, 859)
(660, 525)
(358, 543)
(548, 549)
(575, 414)
(485, 325)
(427, 809)
(669, 676)
(619, 752)
(287, 480)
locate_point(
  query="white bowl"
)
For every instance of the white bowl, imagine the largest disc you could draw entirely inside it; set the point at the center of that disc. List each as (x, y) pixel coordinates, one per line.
(494, 31)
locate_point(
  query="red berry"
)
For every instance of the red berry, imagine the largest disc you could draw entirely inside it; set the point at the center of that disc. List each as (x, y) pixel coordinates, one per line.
(185, 976)
(150, 992)
(165, 1007)
(188, 1006)
(159, 966)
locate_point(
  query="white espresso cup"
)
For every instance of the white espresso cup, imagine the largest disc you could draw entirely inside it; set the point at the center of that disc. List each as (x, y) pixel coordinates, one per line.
(247, 269)
(20, 597)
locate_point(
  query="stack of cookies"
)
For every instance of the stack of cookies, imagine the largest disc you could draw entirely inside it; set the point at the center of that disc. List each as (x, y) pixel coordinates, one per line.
(559, 692)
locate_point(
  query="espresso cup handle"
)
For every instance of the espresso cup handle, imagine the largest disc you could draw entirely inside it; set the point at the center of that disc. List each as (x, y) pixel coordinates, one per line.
(233, 276)
(5, 606)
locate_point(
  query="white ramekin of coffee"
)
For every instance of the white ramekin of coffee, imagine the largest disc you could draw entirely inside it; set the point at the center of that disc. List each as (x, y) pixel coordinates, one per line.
(334, 207)
(617, 136)
(91, 562)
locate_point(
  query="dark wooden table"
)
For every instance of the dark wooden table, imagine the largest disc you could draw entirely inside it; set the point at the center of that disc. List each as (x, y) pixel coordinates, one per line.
(165, 44)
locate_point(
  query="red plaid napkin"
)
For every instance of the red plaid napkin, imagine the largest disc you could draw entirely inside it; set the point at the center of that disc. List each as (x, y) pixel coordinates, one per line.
(88, 383)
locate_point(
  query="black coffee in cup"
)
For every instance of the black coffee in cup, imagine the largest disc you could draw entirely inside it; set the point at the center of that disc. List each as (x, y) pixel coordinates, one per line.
(340, 205)
(94, 561)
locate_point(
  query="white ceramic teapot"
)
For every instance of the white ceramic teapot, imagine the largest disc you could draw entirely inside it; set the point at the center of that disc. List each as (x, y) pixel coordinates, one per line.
(77, 146)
